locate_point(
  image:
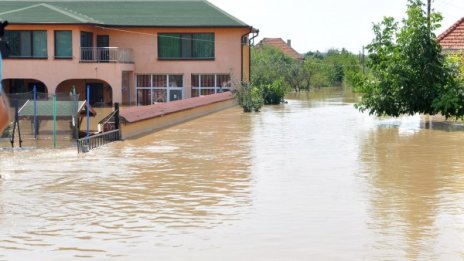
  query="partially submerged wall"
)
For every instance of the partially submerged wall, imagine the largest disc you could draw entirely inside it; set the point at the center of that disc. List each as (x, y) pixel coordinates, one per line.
(138, 121)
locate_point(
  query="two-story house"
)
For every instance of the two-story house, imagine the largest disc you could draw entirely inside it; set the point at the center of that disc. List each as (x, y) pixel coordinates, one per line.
(132, 52)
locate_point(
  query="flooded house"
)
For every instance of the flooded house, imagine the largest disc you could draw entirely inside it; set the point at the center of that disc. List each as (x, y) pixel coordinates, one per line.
(133, 53)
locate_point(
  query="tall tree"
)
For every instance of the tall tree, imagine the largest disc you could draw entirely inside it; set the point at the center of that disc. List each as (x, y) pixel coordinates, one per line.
(408, 71)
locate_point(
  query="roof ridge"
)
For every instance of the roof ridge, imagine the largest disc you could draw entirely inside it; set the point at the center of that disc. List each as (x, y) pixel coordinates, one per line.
(20, 9)
(72, 14)
(64, 12)
(224, 13)
(450, 29)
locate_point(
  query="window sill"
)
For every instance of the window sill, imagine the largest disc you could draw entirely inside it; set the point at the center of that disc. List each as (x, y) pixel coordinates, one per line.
(25, 58)
(186, 59)
(63, 58)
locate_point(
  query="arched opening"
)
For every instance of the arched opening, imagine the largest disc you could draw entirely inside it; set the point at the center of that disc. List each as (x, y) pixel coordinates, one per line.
(14, 86)
(101, 93)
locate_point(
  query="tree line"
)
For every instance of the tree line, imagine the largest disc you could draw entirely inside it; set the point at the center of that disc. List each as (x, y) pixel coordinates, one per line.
(274, 74)
(333, 68)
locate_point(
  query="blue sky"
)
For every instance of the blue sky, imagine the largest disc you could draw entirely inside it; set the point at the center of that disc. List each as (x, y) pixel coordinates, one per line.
(323, 24)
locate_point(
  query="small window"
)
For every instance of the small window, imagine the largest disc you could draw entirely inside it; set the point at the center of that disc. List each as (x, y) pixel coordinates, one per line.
(63, 44)
(186, 46)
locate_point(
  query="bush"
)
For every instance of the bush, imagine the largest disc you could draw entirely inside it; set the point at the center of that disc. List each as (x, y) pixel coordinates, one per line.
(275, 92)
(249, 97)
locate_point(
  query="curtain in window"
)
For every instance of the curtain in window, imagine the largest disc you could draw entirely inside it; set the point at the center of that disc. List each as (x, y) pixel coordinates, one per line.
(25, 40)
(14, 41)
(195, 80)
(63, 44)
(176, 80)
(39, 43)
(186, 42)
(203, 45)
(207, 80)
(169, 46)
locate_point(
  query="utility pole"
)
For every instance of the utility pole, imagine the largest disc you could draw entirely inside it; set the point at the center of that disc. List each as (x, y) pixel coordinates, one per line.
(363, 61)
(429, 7)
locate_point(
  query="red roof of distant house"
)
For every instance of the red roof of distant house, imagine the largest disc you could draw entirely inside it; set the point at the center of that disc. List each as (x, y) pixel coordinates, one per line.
(453, 37)
(282, 45)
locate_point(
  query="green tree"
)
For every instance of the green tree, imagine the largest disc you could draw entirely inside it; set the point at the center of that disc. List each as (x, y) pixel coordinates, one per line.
(249, 97)
(268, 64)
(335, 68)
(271, 73)
(408, 73)
(298, 76)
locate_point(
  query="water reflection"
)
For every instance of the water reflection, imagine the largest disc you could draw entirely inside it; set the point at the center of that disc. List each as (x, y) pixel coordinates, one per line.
(415, 172)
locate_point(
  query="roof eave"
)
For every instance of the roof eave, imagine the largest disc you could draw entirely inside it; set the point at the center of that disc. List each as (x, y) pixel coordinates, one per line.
(140, 26)
(450, 29)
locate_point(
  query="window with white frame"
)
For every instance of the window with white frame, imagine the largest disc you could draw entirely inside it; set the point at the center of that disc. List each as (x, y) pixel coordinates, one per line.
(153, 88)
(206, 84)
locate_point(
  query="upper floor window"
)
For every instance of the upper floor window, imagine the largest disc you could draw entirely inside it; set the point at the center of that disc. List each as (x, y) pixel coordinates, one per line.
(27, 44)
(63, 44)
(186, 46)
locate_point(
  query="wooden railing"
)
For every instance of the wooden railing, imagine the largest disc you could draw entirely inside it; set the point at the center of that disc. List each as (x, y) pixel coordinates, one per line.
(86, 144)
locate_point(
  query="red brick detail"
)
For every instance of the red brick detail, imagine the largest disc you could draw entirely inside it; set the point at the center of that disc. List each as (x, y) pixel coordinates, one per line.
(282, 45)
(135, 114)
(453, 37)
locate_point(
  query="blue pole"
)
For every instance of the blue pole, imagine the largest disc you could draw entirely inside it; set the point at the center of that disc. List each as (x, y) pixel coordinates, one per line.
(88, 110)
(35, 111)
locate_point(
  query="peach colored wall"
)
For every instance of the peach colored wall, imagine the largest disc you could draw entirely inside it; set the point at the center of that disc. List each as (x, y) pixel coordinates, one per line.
(143, 41)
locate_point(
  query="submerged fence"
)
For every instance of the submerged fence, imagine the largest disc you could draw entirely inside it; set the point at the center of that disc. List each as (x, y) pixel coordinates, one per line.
(47, 115)
(110, 133)
(92, 142)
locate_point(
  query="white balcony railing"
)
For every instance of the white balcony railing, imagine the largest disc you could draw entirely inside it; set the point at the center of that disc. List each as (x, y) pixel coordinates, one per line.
(106, 55)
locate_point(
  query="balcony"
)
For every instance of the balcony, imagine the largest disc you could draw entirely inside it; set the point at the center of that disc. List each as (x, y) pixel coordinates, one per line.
(106, 55)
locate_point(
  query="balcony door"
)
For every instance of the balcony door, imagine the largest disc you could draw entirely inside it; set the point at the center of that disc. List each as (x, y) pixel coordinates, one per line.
(87, 53)
(103, 42)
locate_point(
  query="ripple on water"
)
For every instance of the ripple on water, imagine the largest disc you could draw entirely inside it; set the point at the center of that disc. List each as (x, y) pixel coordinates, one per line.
(313, 177)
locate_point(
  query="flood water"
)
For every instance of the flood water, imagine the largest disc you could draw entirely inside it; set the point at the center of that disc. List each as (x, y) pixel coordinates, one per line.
(313, 179)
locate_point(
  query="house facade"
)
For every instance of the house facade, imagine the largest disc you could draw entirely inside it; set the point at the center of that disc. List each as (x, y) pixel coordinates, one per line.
(452, 40)
(131, 52)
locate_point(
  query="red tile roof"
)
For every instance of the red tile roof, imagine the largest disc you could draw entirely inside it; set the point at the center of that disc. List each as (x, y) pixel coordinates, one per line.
(453, 37)
(135, 114)
(282, 45)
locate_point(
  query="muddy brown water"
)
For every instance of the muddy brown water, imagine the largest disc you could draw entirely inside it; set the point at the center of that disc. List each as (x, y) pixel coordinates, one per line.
(313, 179)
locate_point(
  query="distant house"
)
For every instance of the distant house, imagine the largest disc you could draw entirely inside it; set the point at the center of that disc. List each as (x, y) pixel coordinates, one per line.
(285, 47)
(452, 39)
(132, 52)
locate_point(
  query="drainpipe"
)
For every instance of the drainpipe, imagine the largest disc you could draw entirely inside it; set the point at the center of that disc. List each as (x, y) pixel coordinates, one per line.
(241, 52)
(256, 33)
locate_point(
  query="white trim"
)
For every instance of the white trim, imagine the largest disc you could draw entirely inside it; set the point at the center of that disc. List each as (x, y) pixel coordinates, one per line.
(167, 88)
